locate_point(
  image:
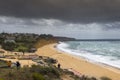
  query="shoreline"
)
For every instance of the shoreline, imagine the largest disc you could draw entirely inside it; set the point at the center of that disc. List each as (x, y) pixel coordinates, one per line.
(69, 61)
(110, 67)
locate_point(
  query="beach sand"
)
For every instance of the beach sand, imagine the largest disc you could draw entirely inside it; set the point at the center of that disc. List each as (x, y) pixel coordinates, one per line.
(79, 65)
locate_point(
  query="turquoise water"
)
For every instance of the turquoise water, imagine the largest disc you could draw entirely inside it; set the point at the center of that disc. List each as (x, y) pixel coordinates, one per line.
(106, 52)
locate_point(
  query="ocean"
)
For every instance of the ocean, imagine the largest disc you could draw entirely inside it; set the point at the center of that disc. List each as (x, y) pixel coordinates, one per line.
(104, 52)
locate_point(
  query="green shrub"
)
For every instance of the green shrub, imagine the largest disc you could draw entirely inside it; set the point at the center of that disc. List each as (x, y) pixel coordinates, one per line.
(50, 60)
(51, 71)
(105, 78)
(93, 78)
(1, 79)
(37, 76)
(10, 74)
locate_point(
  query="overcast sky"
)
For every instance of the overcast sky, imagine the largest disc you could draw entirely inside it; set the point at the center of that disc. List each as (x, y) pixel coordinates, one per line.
(72, 18)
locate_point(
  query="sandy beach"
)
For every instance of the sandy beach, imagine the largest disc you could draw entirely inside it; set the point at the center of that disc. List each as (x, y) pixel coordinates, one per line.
(82, 66)
(74, 63)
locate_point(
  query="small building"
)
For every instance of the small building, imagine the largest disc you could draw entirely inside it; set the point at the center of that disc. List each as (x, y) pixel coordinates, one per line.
(12, 41)
(9, 39)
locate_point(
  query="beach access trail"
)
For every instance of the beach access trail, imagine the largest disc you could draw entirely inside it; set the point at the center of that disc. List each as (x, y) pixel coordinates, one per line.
(23, 62)
(82, 66)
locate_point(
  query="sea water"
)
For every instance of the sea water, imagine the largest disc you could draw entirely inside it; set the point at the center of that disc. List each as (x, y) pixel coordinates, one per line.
(105, 52)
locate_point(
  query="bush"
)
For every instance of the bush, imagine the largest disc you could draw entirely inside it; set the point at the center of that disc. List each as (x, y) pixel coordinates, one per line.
(50, 60)
(105, 78)
(37, 76)
(87, 78)
(51, 71)
(9, 46)
(10, 74)
(93, 78)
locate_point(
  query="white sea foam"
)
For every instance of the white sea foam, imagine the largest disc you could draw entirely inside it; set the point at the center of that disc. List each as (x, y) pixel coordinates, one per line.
(88, 55)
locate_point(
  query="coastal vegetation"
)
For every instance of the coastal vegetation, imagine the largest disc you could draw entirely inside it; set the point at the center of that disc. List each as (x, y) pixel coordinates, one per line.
(44, 40)
(26, 42)
(38, 72)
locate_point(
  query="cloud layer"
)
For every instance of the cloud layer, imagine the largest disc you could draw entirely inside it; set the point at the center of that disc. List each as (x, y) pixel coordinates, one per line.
(60, 28)
(84, 11)
(74, 18)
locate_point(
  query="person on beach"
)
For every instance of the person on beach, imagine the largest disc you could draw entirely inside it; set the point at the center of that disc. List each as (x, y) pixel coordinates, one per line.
(59, 65)
(13, 64)
(18, 64)
(9, 63)
(23, 52)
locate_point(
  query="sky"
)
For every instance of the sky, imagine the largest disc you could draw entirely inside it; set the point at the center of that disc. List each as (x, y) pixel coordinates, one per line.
(81, 19)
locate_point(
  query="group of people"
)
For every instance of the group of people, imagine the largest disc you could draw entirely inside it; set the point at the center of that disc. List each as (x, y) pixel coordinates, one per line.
(10, 64)
(17, 64)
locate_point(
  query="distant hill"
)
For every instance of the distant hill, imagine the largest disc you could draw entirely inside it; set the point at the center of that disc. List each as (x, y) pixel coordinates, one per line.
(59, 38)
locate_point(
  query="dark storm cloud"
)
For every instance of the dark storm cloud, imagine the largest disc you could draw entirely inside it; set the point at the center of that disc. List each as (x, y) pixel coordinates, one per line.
(68, 10)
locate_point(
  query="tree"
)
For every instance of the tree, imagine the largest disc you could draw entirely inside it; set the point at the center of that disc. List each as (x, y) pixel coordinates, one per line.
(9, 46)
(1, 40)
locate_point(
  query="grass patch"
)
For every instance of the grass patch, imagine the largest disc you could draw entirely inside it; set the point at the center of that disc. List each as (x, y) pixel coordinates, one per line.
(105, 78)
(37, 76)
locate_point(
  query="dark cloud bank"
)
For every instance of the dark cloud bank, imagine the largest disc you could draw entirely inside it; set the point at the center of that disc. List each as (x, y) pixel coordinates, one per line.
(86, 19)
(67, 10)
